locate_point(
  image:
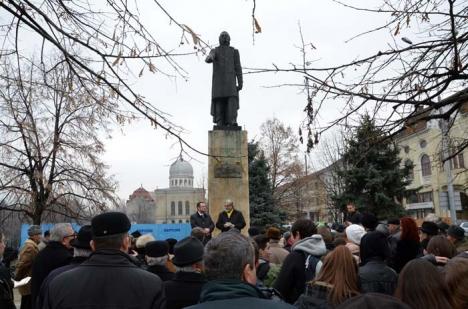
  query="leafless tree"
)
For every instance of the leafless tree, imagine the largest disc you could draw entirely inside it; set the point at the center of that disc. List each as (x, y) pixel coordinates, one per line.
(421, 75)
(281, 149)
(99, 42)
(50, 120)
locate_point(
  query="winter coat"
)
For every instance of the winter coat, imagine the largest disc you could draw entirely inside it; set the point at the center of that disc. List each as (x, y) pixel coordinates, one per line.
(204, 221)
(291, 280)
(262, 269)
(377, 277)
(7, 300)
(44, 290)
(53, 256)
(393, 241)
(24, 266)
(236, 218)
(406, 251)
(161, 271)
(108, 279)
(187, 282)
(277, 253)
(315, 296)
(227, 72)
(234, 294)
(461, 245)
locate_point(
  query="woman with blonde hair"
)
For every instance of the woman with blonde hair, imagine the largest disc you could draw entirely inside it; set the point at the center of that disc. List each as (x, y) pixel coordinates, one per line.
(336, 282)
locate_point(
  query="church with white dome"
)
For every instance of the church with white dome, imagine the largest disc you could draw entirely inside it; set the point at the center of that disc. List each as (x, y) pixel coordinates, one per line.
(169, 205)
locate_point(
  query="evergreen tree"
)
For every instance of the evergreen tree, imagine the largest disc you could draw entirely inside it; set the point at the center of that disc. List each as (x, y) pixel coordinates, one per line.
(262, 210)
(372, 176)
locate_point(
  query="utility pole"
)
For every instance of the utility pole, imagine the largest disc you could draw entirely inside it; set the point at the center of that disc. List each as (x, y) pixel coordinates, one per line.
(444, 125)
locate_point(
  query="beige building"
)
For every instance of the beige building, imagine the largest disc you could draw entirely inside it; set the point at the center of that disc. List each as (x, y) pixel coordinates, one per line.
(169, 205)
(421, 147)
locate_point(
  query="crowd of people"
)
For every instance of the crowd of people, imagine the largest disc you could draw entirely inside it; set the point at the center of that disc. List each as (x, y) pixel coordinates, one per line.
(362, 263)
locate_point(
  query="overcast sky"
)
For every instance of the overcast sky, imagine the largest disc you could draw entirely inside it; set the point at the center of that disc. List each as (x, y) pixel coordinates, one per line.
(139, 155)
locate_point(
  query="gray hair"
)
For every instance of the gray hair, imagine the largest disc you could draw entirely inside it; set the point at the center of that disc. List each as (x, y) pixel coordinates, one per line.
(225, 256)
(187, 269)
(162, 260)
(59, 231)
(79, 252)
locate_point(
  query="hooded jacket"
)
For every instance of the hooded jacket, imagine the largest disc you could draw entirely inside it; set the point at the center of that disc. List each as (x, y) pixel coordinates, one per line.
(291, 280)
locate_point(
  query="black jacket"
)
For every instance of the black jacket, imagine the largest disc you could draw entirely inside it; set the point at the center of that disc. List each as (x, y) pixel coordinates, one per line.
(236, 218)
(189, 283)
(6, 288)
(161, 271)
(406, 250)
(315, 296)
(108, 279)
(53, 256)
(234, 294)
(205, 222)
(75, 262)
(376, 277)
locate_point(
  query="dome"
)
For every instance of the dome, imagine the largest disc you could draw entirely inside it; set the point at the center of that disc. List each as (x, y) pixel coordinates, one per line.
(181, 169)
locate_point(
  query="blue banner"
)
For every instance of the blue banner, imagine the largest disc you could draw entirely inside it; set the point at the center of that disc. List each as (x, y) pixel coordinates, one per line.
(159, 231)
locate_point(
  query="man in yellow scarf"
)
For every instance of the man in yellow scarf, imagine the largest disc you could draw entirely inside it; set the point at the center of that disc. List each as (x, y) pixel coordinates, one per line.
(230, 218)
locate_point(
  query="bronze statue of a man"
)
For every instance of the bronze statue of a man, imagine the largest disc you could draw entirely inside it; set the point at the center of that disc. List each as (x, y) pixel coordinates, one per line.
(225, 90)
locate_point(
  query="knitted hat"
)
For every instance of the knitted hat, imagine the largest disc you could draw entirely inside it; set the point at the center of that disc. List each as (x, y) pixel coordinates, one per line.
(354, 233)
(373, 244)
(369, 221)
(34, 230)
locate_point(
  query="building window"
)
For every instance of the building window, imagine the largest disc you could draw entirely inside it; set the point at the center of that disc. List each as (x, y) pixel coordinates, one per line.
(180, 221)
(179, 208)
(172, 208)
(426, 165)
(457, 161)
(406, 149)
(409, 165)
(187, 207)
(185, 182)
(423, 143)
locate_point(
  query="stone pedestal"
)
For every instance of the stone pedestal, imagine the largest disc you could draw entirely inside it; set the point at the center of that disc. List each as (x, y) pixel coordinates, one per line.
(228, 173)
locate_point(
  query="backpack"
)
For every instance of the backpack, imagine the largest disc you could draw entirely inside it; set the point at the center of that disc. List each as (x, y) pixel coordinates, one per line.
(310, 266)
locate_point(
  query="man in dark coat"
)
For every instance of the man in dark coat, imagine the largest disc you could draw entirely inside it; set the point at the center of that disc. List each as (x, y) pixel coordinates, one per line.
(229, 262)
(188, 256)
(202, 220)
(230, 218)
(56, 254)
(108, 279)
(226, 70)
(374, 275)
(352, 215)
(157, 255)
(81, 252)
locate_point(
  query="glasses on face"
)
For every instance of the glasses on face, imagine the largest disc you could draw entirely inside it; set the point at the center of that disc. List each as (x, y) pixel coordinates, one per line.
(71, 236)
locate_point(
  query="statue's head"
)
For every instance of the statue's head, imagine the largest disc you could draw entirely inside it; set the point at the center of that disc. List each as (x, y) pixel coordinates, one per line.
(224, 38)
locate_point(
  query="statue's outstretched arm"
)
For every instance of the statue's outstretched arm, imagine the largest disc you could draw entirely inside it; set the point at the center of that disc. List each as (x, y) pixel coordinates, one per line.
(211, 56)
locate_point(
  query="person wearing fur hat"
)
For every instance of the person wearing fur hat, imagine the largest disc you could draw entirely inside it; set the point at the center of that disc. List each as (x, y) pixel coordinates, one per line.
(456, 235)
(26, 258)
(308, 246)
(156, 256)
(109, 278)
(277, 253)
(188, 258)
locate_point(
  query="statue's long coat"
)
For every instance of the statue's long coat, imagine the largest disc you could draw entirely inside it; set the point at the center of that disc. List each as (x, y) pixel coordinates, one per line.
(226, 68)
